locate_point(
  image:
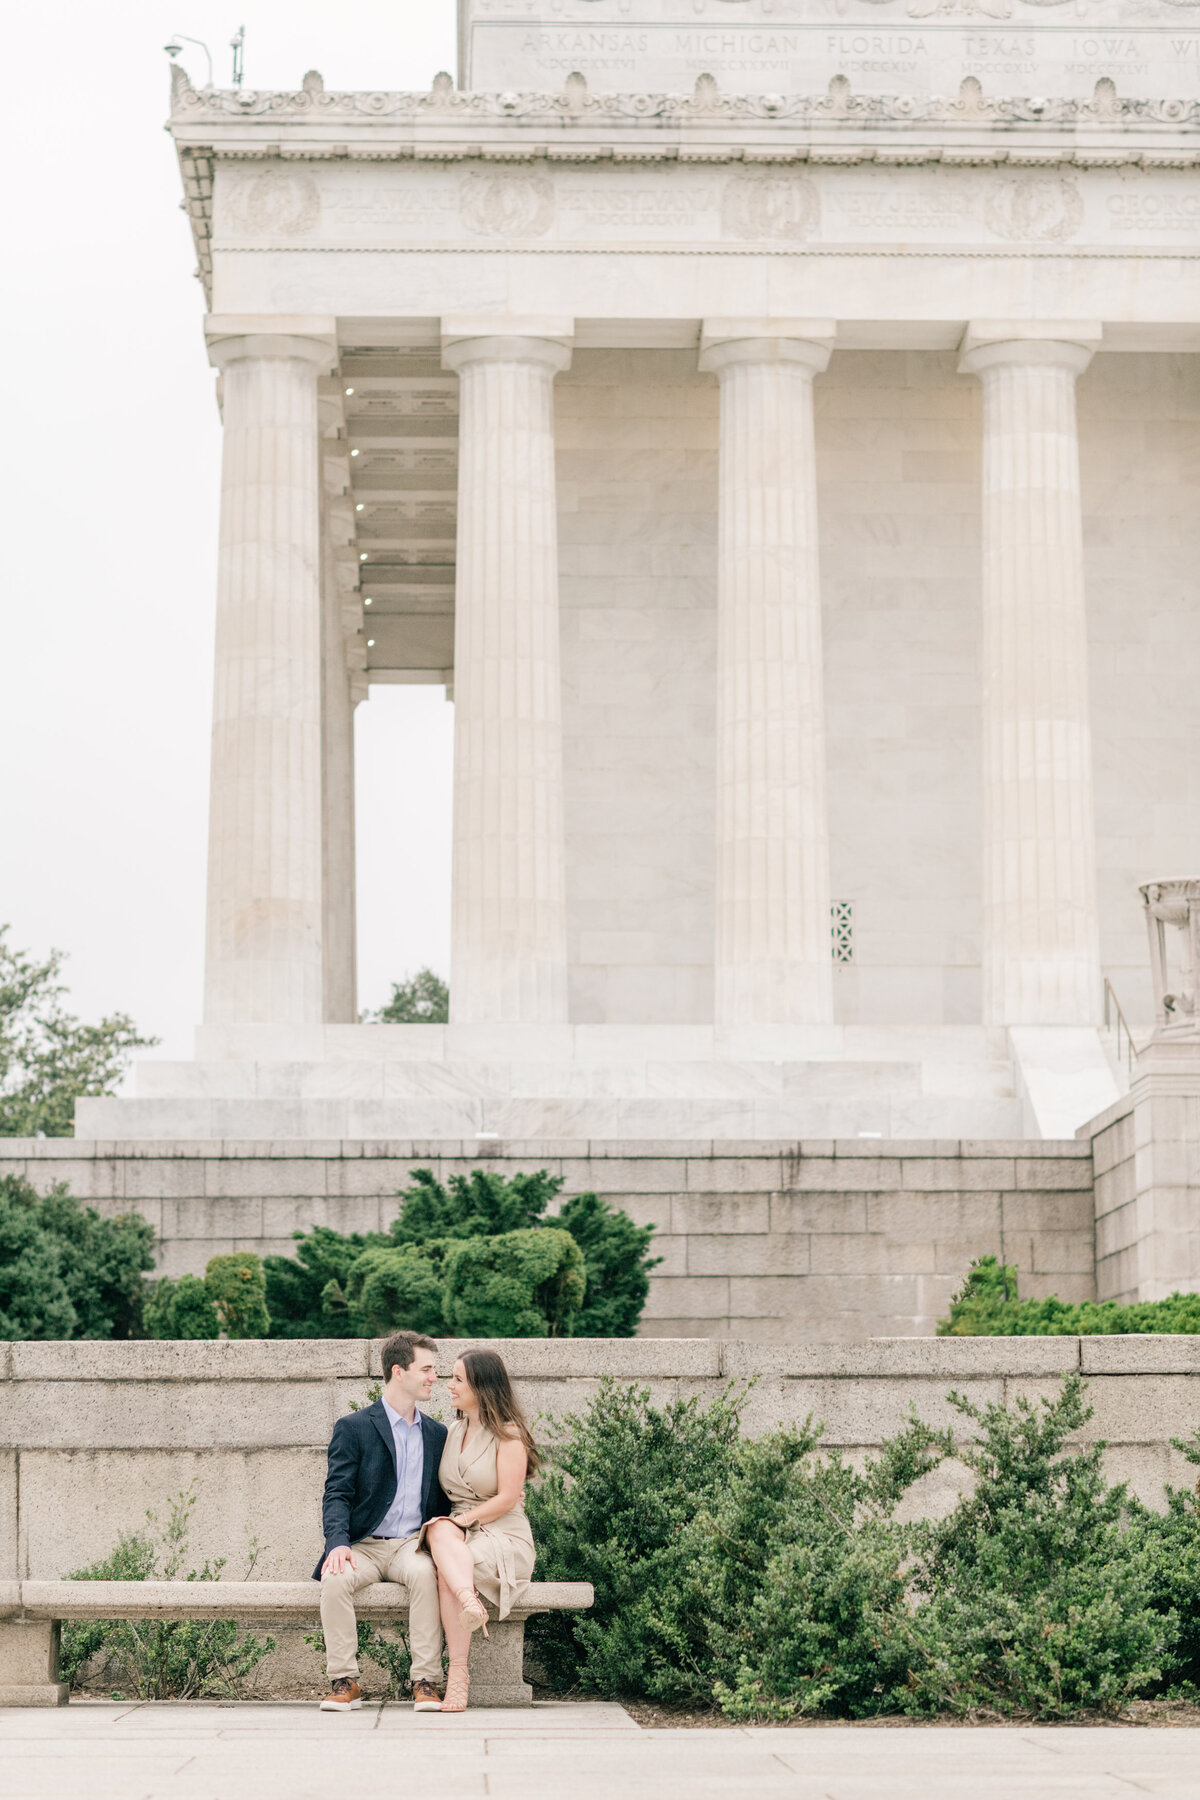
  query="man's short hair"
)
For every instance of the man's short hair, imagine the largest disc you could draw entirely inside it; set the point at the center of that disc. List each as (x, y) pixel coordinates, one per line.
(399, 1350)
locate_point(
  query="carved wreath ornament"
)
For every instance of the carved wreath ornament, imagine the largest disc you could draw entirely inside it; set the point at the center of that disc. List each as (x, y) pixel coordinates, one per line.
(275, 201)
(1035, 209)
(504, 203)
(770, 206)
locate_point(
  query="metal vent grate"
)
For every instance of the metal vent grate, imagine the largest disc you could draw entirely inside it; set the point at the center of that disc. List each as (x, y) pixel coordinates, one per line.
(841, 930)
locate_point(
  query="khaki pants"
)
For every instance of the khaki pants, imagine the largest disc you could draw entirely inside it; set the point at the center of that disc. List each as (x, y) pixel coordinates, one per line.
(383, 1559)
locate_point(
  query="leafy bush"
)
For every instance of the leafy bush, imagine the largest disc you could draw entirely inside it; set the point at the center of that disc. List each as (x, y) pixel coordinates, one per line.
(181, 1309)
(626, 1480)
(420, 999)
(48, 1058)
(164, 1659)
(387, 1285)
(65, 1272)
(616, 1255)
(520, 1284)
(1037, 1599)
(230, 1299)
(481, 1204)
(306, 1295)
(1172, 1543)
(237, 1288)
(988, 1305)
(415, 1274)
(771, 1579)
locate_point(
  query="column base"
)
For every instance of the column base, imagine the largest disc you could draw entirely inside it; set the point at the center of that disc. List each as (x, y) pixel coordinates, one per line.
(53, 1693)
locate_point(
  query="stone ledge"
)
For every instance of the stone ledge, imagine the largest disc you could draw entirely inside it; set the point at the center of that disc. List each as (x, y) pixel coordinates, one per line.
(244, 1599)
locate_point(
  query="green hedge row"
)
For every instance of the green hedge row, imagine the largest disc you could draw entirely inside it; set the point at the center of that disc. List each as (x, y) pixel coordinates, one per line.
(989, 1305)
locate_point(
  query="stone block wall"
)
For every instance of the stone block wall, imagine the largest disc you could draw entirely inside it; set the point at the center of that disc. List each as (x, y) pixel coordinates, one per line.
(834, 1240)
(93, 1435)
(1116, 1204)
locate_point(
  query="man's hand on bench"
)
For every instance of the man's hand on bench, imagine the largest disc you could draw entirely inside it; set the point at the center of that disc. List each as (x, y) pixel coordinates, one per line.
(339, 1558)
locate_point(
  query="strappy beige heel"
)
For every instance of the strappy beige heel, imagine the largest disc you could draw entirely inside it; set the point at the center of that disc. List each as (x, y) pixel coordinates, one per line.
(472, 1613)
(458, 1686)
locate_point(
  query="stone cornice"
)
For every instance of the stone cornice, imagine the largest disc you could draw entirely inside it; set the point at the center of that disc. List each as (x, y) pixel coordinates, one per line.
(574, 125)
(574, 105)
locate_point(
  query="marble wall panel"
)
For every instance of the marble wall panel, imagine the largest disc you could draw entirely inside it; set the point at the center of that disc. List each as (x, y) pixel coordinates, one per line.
(637, 440)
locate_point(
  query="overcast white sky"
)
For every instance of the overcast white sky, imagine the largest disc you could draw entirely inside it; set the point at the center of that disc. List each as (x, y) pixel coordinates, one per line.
(110, 483)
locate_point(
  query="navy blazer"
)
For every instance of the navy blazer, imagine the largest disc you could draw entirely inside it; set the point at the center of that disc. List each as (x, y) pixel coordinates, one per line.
(362, 1479)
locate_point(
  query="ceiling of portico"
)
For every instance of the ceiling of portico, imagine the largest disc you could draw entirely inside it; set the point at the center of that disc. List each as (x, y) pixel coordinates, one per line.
(401, 425)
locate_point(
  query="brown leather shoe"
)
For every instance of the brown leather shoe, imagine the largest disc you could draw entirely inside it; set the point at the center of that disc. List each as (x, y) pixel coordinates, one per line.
(344, 1696)
(426, 1697)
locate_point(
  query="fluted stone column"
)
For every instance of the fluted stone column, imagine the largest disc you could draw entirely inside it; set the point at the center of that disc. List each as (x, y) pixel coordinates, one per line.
(264, 948)
(1041, 940)
(339, 933)
(773, 958)
(508, 954)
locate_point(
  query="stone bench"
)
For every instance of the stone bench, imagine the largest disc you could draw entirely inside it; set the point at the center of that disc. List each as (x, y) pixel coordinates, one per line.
(32, 1613)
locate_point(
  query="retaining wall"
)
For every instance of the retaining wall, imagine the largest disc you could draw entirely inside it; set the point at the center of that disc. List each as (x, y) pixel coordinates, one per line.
(831, 1240)
(92, 1435)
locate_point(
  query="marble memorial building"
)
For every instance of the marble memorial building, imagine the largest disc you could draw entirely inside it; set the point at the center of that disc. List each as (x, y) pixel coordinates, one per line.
(776, 424)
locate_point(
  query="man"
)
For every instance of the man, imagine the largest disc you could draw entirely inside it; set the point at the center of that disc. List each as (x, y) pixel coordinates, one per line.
(381, 1487)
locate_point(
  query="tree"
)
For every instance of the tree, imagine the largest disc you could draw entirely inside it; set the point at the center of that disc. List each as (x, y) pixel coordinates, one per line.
(420, 999)
(65, 1272)
(49, 1058)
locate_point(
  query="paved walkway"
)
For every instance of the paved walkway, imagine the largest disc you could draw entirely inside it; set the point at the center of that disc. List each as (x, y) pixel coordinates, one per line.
(559, 1751)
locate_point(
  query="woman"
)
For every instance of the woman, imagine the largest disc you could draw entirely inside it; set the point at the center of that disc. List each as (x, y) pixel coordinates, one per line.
(484, 1550)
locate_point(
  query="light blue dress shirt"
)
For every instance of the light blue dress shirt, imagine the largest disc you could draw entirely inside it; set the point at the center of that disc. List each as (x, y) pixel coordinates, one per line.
(403, 1517)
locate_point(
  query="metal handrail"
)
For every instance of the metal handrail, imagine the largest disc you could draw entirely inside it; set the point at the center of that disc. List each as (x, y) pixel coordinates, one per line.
(1113, 1005)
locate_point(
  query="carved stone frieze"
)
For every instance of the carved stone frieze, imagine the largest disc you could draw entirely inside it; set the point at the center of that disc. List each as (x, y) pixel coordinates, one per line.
(575, 103)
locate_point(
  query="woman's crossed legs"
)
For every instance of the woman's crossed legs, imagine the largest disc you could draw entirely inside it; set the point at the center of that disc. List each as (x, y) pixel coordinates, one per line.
(455, 1566)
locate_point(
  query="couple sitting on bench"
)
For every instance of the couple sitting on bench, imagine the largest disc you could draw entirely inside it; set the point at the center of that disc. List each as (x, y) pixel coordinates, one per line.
(441, 1513)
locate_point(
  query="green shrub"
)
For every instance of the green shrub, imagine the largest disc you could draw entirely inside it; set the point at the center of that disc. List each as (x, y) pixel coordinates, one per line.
(306, 1294)
(368, 1283)
(181, 1309)
(1172, 1543)
(989, 1305)
(802, 1567)
(237, 1288)
(771, 1580)
(230, 1301)
(481, 1204)
(65, 1272)
(617, 1261)
(521, 1284)
(625, 1481)
(387, 1286)
(164, 1659)
(1036, 1598)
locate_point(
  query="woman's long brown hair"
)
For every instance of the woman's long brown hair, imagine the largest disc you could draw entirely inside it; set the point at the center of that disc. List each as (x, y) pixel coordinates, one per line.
(499, 1408)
